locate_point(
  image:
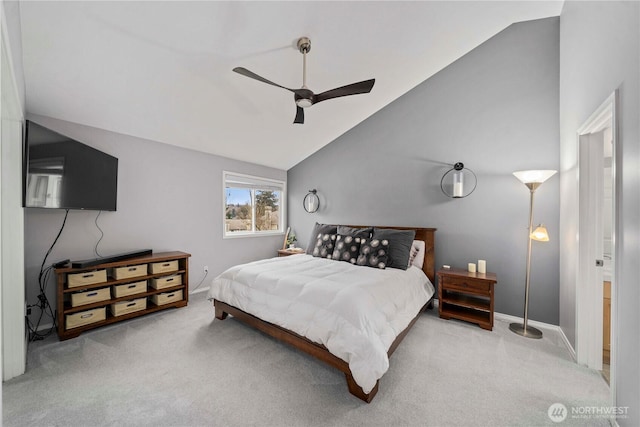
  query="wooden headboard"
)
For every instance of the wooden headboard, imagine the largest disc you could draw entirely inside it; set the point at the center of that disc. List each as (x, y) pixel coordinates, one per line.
(428, 235)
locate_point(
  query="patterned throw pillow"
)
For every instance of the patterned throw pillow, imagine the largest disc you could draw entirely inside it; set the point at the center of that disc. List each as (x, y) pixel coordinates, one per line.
(347, 248)
(324, 245)
(373, 253)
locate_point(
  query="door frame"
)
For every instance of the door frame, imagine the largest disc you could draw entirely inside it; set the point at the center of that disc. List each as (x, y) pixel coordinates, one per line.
(589, 333)
(13, 334)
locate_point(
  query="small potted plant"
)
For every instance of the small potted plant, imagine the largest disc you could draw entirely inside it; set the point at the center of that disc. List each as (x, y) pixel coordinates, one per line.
(291, 241)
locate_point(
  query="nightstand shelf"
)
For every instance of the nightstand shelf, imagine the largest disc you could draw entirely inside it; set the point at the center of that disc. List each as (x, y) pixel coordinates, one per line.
(462, 300)
(450, 311)
(466, 296)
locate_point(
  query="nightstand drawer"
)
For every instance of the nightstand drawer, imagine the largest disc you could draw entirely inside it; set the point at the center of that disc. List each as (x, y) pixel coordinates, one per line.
(466, 285)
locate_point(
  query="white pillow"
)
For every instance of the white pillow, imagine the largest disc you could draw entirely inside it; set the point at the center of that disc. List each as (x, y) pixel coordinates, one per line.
(416, 256)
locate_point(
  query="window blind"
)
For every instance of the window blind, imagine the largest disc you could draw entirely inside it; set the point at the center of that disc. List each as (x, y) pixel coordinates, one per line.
(252, 182)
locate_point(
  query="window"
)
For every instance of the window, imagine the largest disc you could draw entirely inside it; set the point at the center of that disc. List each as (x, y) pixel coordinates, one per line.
(252, 205)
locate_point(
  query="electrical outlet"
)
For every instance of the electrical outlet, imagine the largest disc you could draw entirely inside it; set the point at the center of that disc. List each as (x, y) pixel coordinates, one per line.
(206, 268)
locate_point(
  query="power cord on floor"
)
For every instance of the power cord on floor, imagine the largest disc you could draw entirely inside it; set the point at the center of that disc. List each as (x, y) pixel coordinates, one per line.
(206, 273)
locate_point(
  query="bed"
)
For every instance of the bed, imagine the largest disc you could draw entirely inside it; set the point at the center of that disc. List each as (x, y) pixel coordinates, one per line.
(348, 316)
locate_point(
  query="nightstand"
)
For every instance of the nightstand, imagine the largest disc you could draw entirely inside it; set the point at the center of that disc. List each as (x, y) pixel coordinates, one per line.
(287, 252)
(466, 296)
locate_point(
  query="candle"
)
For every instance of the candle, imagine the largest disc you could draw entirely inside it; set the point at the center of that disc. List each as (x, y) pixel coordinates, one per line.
(457, 184)
(482, 266)
(457, 189)
(472, 267)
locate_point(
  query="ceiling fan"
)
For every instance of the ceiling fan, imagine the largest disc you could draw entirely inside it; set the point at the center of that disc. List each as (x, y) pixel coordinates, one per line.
(304, 97)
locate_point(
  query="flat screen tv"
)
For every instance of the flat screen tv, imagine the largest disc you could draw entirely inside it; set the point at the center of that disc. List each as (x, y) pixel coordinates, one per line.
(61, 173)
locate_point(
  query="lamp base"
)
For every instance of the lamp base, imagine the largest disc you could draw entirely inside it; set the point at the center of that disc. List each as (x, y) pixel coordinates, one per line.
(530, 332)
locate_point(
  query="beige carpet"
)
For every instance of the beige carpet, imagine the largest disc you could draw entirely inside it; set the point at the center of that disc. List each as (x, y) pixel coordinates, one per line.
(183, 368)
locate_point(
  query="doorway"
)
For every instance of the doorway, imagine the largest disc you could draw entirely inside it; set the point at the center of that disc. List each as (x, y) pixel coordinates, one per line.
(596, 287)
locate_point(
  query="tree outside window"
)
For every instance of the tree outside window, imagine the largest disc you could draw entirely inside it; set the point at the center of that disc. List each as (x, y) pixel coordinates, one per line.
(252, 205)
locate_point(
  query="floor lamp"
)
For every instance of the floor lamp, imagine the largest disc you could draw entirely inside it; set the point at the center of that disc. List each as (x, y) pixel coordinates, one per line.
(532, 179)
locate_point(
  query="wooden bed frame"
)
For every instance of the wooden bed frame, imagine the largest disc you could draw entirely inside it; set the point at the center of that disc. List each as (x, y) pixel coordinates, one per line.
(319, 351)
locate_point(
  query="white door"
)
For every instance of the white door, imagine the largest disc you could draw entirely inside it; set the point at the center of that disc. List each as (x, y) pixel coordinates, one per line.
(591, 238)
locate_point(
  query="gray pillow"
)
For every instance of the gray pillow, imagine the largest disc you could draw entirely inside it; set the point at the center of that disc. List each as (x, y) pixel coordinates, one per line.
(400, 242)
(363, 233)
(319, 229)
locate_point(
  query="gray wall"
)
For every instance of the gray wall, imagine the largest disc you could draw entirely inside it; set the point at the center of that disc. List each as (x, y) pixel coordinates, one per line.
(168, 199)
(495, 110)
(600, 50)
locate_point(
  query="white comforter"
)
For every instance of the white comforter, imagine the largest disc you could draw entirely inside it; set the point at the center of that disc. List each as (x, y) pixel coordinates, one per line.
(355, 312)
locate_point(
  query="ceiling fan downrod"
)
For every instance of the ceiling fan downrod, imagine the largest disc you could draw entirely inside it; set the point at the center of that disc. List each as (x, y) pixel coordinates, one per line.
(304, 46)
(304, 99)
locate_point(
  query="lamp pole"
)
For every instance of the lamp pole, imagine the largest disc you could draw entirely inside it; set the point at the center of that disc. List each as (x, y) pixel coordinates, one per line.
(524, 329)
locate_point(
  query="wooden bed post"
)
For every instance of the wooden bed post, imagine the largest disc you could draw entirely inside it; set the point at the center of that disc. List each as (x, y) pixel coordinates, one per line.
(356, 390)
(220, 313)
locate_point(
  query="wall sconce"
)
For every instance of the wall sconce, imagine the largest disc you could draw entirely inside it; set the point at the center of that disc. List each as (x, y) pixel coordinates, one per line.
(311, 201)
(532, 179)
(458, 182)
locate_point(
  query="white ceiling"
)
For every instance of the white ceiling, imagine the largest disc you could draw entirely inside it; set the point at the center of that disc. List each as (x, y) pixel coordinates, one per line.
(162, 70)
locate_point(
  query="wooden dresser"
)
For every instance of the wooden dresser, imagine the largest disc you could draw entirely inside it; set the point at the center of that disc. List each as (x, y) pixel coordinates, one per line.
(111, 292)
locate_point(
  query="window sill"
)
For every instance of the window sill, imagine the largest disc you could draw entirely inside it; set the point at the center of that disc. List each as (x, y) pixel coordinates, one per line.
(244, 235)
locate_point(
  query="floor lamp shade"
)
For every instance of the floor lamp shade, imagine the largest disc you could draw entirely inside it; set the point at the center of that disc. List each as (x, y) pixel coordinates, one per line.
(532, 179)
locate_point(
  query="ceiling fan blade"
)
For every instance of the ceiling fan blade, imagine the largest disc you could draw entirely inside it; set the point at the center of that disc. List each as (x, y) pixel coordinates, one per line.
(299, 115)
(352, 89)
(250, 74)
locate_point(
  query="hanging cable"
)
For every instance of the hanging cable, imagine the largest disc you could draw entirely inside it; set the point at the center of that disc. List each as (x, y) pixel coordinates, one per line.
(43, 301)
(206, 273)
(95, 249)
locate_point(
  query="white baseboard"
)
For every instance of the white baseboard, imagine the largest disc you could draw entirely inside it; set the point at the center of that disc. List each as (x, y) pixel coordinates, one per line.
(534, 323)
(572, 351)
(541, 325)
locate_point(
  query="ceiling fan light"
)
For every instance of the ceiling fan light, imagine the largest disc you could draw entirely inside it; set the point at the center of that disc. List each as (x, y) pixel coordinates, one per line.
(304, 102)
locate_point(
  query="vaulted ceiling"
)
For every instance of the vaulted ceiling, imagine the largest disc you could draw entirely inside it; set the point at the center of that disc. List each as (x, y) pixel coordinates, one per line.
(162, 70)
